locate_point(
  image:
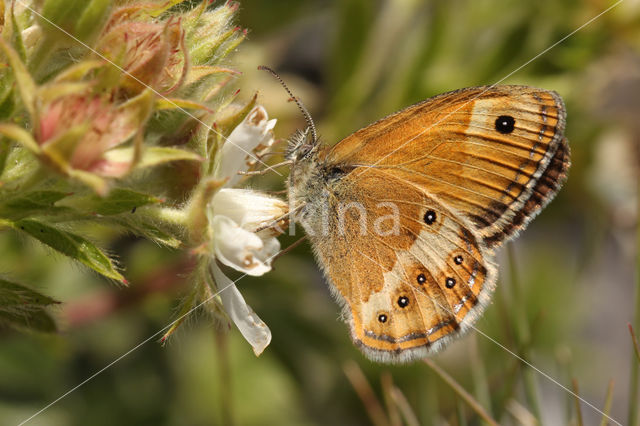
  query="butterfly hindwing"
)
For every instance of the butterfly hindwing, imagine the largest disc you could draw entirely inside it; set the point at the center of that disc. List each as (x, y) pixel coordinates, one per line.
(408, 286)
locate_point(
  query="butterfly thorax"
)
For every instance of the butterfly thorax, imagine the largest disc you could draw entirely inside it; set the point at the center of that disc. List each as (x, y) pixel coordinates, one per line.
(305, 184)
(312, 183)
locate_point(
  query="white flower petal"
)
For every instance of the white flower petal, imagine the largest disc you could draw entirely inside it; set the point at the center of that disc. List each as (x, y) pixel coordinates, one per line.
(254, 130)
(239, 248)
(254, 330)
(271, 247)
(250, 209)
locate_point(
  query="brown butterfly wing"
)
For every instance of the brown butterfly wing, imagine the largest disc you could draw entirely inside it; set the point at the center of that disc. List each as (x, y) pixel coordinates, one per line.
(495, 154)
(394, 278)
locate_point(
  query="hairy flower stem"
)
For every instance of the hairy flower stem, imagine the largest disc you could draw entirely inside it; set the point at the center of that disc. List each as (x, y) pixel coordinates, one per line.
(168, 216)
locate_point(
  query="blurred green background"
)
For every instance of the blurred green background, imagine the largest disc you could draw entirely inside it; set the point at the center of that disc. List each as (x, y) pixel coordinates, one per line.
(567, 287)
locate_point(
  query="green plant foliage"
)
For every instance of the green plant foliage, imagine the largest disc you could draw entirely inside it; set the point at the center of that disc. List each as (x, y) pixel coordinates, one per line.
(24, 309)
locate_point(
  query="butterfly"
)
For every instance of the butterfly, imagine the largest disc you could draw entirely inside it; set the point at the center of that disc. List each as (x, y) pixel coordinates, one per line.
(404, 215)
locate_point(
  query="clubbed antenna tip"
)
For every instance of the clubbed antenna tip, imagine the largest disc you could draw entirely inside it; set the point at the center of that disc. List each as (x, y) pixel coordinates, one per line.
(304, 111)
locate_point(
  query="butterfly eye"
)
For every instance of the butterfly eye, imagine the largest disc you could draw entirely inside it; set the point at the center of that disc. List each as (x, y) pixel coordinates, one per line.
(335, 173)
(429, 217)
(382, 318)
(403, 301)
(458, 260)
(450, 282)
(505, 124)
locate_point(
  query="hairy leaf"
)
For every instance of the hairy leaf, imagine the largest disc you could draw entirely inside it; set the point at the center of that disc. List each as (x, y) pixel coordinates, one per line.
(118, 200)
(24, 309)
(71, 245)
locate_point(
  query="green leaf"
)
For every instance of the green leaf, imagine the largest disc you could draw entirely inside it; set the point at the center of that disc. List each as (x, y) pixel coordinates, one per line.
(26, 85)
(187, 305)
(4, 154)
(60, 149)
(76, 72)
(61, 14)
(71, 245)
(199, 72)
(20, 135)
(152, 156)
(24, 309)
(180, 104)
(35, 202)
(95, 182)
(93, 19)
(37, 199)
(50, 92)
(117, 201)
(151, 232)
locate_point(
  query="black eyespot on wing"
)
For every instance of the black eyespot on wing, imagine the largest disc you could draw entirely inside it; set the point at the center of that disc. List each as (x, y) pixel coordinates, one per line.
(382, 318)
(505, 124)
(430, 217)
(450, 282)
(403, 301)
(458, 260)
(421, 279)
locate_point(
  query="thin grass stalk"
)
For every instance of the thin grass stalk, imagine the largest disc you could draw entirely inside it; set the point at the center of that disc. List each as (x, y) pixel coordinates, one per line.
(521, 414)
(461, 415)
(407, 412)
(523, 334)
(506, 383)
(607, 404)
(386, 381)
(576, 400)
(634, 340)
(366, 394)
(224, 372)
(466, 396)
(479, 374)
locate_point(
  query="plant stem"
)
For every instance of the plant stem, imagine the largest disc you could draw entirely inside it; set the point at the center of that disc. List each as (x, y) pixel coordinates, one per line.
(523, 334)
(466, 396)
(365, 392)
(167, 215)
(479, 374)
(224, 370)
(607, 404)
(576, 400)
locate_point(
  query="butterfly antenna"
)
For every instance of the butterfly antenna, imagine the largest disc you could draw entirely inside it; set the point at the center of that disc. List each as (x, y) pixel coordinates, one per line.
(304, 111)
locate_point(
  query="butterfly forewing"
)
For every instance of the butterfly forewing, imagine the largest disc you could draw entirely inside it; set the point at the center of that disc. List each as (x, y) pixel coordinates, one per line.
(479, 150)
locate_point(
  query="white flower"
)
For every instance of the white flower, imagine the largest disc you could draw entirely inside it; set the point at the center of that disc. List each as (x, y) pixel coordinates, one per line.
(237, 151)
(235, 218)
(235, 215)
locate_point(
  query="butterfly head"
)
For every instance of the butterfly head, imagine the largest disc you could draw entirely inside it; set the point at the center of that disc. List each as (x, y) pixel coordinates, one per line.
(302, 152)
(302, 145)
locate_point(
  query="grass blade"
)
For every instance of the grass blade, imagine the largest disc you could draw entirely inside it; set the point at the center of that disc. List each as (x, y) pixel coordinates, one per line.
(410, 417)
(387, 391)
(366, 394)
(466, 396)
(521, 414)
(607, 403)
(577, 401)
